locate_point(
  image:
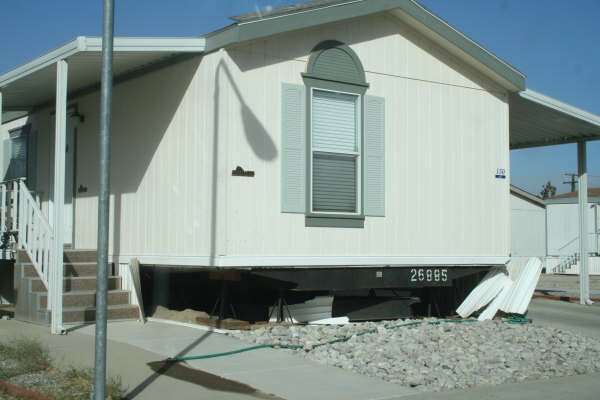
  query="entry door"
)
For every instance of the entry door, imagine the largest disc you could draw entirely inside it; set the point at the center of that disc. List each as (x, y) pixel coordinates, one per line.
(69, 210)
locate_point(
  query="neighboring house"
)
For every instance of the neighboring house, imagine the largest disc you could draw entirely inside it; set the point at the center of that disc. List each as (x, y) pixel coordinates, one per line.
(563, 221)
(562, 224)
(528, 226)
(310, 146)
(549, 229)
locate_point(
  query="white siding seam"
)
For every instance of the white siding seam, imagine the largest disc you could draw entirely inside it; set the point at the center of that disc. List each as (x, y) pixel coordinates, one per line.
(284, 261)
(435, 82)
(305, 61)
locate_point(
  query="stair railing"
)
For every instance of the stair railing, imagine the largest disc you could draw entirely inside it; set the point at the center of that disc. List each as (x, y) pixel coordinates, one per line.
(566, 263)
(34, 232)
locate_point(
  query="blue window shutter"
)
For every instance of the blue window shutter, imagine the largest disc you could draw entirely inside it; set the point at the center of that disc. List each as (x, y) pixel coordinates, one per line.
(293, 162)
(374, 154)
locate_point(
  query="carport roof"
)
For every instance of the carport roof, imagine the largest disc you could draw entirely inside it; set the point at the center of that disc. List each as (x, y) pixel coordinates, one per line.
(539, 120)
(34, 84)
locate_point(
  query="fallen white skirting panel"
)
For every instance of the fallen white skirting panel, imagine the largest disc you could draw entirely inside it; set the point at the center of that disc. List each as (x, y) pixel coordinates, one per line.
(492, 283)
(315, 309)
(518, 298)
(188, 325)
(503, 293)
(332, 321)
(492, 309)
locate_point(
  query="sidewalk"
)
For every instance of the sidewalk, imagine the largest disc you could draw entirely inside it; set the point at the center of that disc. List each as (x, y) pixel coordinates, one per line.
(136, 353)
(270, 371)
(133, 365)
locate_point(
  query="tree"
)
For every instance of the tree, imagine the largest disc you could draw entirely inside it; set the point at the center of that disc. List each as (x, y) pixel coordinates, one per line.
(548, 191)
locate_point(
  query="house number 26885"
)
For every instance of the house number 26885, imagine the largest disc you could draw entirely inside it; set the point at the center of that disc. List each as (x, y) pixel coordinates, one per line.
(428, 275)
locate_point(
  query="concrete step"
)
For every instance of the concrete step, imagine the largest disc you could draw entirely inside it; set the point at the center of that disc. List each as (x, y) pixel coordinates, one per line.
(72, 315)
(79, 255)
(76, 284)
(88, 298)
(70, 269)
(69, 255)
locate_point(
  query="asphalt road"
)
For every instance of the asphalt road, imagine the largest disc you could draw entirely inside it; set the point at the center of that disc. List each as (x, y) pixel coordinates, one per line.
(578, 318)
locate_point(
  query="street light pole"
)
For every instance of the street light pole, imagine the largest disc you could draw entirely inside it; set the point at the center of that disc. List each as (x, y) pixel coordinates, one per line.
(103, 200)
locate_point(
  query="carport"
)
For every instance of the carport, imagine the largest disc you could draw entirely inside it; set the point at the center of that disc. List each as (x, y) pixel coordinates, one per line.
(537, 120)
(65, 73)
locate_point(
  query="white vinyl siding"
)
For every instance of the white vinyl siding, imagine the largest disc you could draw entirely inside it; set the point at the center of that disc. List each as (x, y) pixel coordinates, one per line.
(445, 135)
(335, 154)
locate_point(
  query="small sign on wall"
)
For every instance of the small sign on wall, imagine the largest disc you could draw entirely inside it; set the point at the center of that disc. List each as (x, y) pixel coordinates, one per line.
(239, 171)
(500, 173)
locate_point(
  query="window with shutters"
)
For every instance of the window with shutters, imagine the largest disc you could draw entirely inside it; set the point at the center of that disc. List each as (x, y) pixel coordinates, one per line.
(336, 82)
(333, 137)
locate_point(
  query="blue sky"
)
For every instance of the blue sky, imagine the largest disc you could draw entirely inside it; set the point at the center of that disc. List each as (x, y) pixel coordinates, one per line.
(554, 43)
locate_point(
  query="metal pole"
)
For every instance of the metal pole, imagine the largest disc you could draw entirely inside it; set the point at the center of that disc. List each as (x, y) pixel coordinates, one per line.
(103, 200)
(584, 278)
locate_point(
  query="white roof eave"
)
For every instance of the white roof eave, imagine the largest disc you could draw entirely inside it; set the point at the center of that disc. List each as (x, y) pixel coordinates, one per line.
(47, 59)
(557, 105)
(94, 44)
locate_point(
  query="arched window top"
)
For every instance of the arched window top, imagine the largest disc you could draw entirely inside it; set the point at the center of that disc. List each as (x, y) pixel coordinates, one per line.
(334, 61)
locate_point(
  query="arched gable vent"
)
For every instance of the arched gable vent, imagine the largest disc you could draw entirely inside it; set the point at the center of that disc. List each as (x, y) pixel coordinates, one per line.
(334, 61)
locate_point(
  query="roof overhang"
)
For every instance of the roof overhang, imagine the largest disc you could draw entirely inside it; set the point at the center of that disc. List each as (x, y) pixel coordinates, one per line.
(324, 12)
(525, 195)
(34, 84)
(539, 120)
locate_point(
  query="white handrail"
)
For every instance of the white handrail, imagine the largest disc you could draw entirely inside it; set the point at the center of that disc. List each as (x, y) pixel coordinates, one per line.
(35, 234)
(566, 263)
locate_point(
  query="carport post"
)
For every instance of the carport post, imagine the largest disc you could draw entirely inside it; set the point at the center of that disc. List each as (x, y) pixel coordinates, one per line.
(55, 284)
(584, 278)
(0, 107)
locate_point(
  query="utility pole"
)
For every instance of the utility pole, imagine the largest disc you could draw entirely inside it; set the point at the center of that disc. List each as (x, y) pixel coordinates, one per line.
(106, 83)
(571, 182)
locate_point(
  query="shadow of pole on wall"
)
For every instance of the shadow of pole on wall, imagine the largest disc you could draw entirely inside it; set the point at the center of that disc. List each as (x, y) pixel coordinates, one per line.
(256, 135)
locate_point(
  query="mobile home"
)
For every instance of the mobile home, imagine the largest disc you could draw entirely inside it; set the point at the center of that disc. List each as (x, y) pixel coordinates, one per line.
(328, 146)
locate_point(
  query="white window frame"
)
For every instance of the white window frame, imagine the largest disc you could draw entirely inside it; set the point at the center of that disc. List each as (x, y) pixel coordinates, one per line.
(357, 154)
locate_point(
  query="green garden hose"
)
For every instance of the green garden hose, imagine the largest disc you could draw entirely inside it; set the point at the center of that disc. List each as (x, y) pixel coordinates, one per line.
(511, 319)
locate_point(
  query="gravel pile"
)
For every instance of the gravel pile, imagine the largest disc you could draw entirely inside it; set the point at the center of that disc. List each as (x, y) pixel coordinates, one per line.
(433, 356)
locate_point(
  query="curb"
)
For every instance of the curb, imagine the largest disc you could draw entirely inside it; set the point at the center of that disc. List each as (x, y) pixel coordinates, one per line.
(570, 299)
(19, 392)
